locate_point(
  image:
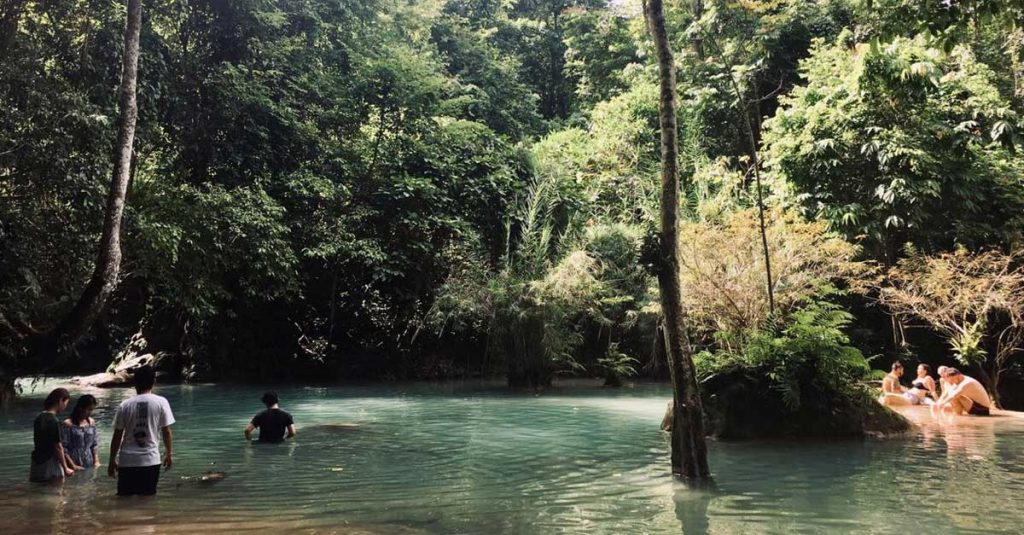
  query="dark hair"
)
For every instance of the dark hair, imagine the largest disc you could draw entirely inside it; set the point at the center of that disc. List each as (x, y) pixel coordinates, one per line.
(145, 378)
(55, 397)
(927, 368)
(897, 365)
(85, 401)
(269, 399)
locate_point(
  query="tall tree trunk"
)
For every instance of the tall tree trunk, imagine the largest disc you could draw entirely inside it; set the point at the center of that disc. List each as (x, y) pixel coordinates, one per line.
(697, 39)
(334, 311)
(689, 450)
(108, 264)
(10, 15)
(756, 163)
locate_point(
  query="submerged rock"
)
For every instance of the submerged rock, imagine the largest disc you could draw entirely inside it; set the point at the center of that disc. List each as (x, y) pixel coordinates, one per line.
(341, 426)
(207, 478)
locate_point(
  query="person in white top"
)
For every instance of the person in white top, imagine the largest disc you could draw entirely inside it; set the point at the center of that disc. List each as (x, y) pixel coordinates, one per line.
(134, 453)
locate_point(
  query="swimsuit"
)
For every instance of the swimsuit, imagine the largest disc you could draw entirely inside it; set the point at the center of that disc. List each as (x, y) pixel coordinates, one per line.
(978, 409)
(913, 398)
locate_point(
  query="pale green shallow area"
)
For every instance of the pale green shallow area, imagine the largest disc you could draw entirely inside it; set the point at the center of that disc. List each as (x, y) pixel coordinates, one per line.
(475, 458)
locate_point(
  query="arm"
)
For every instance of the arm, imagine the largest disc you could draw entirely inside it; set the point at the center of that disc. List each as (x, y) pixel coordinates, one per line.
(953, 392)
(291, 431)
(168, 460)
(166, 421)
(95, 447)
(65, 463)
(248, 431)
(57, 436)
(115, 446)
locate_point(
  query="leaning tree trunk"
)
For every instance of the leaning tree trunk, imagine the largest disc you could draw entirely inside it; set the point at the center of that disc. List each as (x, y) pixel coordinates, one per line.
(689, 450)
(108, 264)
(42, 347)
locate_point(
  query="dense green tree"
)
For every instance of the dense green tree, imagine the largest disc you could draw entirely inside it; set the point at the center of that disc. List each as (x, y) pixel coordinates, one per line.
(489, 86)
(601, 47)
(900, 143)
(32, 344)
(316, 184)
(332, 153)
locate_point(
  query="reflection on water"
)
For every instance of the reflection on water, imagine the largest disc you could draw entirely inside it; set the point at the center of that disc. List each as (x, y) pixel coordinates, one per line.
(478, 459)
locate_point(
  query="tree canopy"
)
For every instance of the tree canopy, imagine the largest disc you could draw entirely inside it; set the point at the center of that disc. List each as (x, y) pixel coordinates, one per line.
(439, 188)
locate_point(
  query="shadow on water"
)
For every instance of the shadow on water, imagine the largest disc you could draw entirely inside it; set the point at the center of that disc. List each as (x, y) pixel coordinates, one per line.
(691, 500)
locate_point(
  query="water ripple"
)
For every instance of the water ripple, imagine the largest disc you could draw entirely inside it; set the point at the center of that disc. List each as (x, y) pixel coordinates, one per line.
(476, 459)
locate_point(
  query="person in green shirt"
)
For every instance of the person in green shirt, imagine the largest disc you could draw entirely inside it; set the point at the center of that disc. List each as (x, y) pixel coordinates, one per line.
(48, 461)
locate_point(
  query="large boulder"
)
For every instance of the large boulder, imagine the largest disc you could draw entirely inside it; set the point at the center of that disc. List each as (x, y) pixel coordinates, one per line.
(130, 364)
(121, 372)
(737, 407)
(102, 380)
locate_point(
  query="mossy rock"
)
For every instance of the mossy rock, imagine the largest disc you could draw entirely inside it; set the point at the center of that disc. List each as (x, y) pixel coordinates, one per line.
(739, 407)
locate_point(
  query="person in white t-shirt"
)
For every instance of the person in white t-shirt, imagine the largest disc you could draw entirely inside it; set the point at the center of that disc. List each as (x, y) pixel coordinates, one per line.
(134, 453)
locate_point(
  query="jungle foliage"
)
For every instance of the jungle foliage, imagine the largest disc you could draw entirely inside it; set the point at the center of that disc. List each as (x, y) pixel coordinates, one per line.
(440, 188)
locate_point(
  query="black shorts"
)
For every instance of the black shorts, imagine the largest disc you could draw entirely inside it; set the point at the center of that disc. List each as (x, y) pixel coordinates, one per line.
(137, 480)
(978, 409)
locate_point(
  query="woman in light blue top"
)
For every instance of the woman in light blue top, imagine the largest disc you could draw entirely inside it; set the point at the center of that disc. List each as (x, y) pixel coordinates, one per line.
(79, 435)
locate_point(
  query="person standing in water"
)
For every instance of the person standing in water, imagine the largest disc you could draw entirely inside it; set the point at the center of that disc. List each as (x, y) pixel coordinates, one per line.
(79, 435)
(48, 462)
(274, 424)
(134, 451)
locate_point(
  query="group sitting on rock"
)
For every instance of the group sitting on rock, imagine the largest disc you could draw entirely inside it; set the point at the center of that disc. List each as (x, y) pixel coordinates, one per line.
(956, 393)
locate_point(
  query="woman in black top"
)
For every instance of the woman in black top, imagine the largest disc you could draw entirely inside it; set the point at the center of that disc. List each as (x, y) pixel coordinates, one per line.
(48, 462)
(923, 387)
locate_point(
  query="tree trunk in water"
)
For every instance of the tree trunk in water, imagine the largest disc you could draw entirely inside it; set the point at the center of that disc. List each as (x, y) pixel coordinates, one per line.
(689, 450)
(108, 264)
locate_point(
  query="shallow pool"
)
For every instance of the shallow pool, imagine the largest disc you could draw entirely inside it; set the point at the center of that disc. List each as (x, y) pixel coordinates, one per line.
(475, 458)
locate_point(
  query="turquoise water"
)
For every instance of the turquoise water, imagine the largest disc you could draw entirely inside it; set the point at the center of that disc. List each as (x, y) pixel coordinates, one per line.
(475, 458)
